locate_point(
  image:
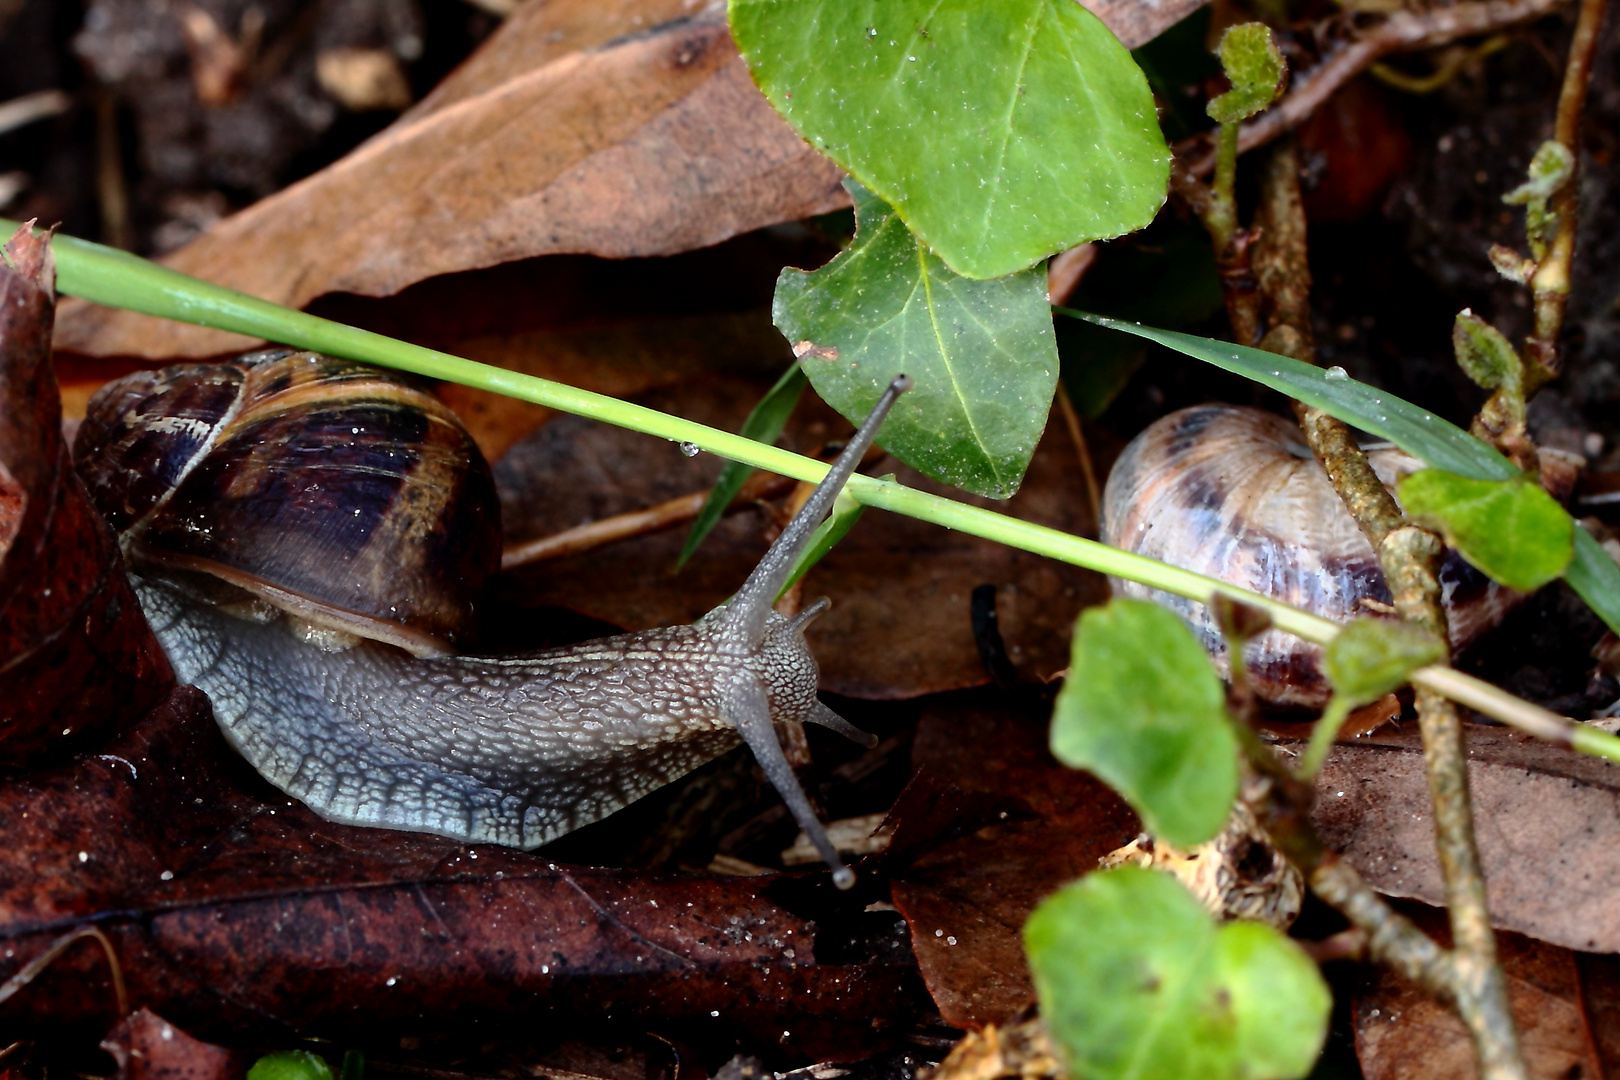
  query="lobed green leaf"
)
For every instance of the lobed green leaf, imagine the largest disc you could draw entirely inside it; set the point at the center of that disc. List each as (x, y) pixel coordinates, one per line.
(1002, 132)
(1512, 530)
(982, 355)
(1135, 980)
(290, 1065)
(1143, 709)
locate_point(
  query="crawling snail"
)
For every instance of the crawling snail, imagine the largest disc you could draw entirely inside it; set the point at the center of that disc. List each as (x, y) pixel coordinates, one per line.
(289, 489)
(1236, 494)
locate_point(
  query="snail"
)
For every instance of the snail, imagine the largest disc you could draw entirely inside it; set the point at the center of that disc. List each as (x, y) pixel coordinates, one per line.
(1236, 494)
(288, 490)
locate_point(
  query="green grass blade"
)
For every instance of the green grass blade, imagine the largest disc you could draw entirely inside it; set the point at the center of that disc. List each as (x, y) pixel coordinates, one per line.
(764, 424)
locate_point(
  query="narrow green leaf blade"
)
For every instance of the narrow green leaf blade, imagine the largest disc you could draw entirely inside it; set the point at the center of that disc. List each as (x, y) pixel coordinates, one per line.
(982, 355)
(845, 513)
(1136, 980)
(1143, 709)
(1002, 132)
(1512, 530)
(764, 424)
(1372, 657)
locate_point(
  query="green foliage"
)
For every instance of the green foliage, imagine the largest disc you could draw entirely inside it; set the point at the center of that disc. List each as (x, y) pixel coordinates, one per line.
(1484, 354)
(764, 424)
(981, 354)
(1511, 530)
(1372, 657)
(1550, 169)
(1136, 980)
(1255, 67)
(1001, 132)
(1143, 709)
(290, 1065)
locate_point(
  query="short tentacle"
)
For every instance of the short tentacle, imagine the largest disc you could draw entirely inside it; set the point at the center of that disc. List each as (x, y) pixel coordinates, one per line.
(743, 703)
(820, 714)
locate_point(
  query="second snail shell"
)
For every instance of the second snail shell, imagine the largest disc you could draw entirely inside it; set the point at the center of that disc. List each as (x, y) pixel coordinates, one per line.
(1236, 494)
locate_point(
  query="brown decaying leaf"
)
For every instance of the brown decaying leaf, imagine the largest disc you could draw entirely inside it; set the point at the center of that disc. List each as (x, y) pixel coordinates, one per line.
(1548, 823)
(1562, 1000)
(900, 623)
(651, 144)
(237, 912)
(575, 128)
(77, 660)
(148, 1047)
(1023, 825)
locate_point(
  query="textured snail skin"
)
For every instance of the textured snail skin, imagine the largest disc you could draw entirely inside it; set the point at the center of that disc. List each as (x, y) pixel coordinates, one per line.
(1235, 493)
(505, 751)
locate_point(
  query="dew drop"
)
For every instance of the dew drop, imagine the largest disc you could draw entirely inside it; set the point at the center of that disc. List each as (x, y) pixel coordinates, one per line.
(1336, 374)
(690, 449)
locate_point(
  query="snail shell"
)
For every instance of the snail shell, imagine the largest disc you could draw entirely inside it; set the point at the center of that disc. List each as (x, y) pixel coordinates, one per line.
(333, 491)
(1236, 494)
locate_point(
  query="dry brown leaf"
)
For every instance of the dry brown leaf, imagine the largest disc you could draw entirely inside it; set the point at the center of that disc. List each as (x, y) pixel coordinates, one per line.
(1548, 822)
(1402, 1034)
(574, 129)
(651, 144)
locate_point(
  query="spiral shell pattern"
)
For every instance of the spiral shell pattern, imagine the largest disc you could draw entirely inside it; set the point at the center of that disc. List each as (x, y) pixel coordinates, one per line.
(1236, 494)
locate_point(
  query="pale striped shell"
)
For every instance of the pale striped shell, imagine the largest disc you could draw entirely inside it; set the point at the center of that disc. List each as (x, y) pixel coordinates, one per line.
(1235, 493)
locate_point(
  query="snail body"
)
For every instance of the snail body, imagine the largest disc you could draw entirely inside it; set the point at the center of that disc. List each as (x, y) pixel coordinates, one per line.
(1236, 494)
(514, 751)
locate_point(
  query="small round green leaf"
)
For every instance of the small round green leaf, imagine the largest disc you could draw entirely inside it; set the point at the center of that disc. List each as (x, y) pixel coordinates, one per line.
(1512, 530)
(1371, 657)
(1255, 67)
(1483, 353)
(1143, 709)
(290, 1065)
(1002, 132)
(982, 355)
(1136, 980)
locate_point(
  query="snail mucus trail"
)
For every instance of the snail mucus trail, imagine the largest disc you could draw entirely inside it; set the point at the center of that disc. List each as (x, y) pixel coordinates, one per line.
(376, 514)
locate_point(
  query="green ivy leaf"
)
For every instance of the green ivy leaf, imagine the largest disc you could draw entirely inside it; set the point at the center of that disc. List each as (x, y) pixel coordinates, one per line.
(1512, 530)
(1136, 980)
(982, 355)
(290, 1065)
(1483, 353)
(1372, 657)
(1255, 67)
(1002, 132)
(764, 424)
(1143, 709)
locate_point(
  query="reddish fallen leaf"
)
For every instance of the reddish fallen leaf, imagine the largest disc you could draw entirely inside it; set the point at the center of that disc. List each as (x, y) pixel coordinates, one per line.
(648, 145)
(148, 1047)
(237, 912)
(1402, 1034)
(1353, 147)
(1027, 826)
(79, 660)
(900, 623)
(1547, 819)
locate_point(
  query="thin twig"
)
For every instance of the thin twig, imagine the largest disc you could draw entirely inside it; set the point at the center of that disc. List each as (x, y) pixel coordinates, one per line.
(1401, 32)
(1550, 286)
(1077, 436)
(31, 970)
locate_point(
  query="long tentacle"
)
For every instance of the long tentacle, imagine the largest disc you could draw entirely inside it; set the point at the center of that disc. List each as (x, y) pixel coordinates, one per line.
(746, 614)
